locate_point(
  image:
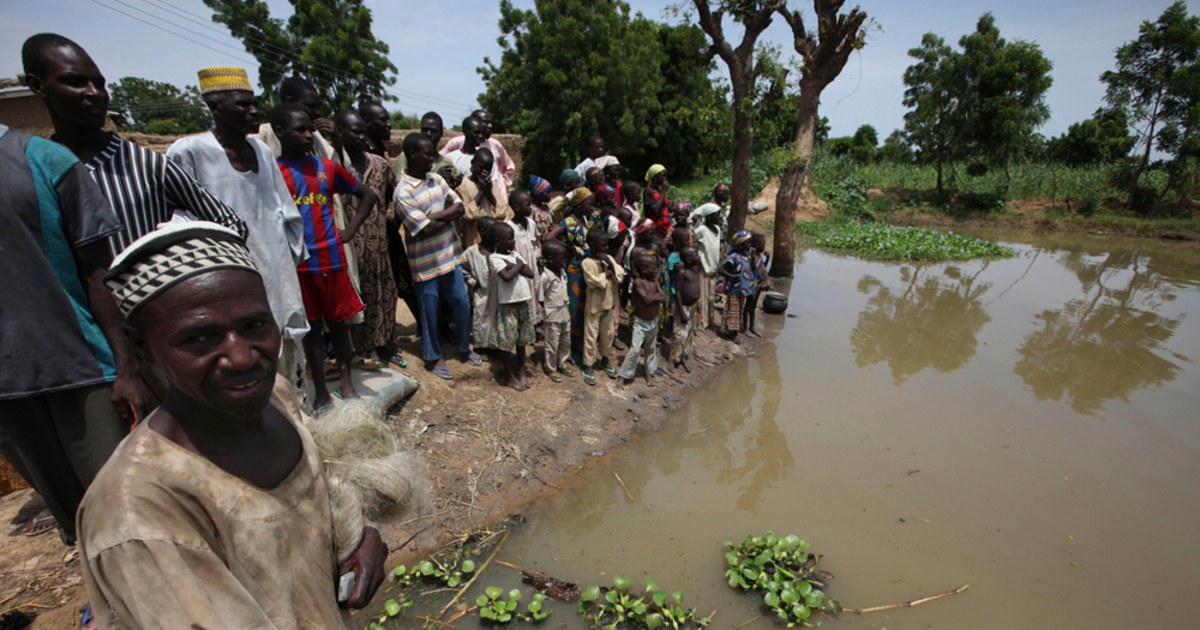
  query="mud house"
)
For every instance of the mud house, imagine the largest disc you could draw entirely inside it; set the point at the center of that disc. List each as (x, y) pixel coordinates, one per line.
(21, 109)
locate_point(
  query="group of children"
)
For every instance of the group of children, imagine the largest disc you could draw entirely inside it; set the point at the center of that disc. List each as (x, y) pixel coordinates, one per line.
(592, 261)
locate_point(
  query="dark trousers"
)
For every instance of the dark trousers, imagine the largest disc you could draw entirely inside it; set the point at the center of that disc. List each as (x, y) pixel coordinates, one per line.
(58, 442)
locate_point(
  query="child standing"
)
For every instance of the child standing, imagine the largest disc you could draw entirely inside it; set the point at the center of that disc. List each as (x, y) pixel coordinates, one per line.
(513, 327)
(329, 298)
(527, 236)
(686, 278)
(760, 258)
(738, 273)
(647, 296)
(556, 327)
(708, 243)
(603, 277)
(477, 275)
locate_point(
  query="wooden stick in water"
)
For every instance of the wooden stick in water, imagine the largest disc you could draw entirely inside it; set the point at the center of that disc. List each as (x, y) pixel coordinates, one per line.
(628, 494)
(478, 572)
(915, 602)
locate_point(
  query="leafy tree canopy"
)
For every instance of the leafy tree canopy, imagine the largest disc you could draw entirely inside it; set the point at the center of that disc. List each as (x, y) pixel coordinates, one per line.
(573, 69)
(157, 108)
(327, 41)
(1103, 138)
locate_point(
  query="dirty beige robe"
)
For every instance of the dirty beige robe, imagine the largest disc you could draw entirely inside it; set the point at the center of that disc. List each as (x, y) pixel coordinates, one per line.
(169, 540)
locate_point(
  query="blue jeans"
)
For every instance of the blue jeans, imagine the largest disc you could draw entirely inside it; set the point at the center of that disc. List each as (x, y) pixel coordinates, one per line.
(644, 341)
(451, 287)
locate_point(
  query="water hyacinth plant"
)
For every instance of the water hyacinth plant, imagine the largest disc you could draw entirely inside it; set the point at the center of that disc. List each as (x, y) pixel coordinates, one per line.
(783, 570)
(618, 607)
(884, 242)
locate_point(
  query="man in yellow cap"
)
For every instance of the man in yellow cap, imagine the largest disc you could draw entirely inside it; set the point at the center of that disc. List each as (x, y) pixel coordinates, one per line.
(241, 171)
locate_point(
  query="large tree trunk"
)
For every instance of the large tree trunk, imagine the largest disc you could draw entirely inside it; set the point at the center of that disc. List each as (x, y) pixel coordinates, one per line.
(743, 150)
(792, 184)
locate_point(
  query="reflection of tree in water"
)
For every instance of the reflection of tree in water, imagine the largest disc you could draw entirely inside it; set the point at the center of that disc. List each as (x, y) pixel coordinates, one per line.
(1106, 344)
(931, 323)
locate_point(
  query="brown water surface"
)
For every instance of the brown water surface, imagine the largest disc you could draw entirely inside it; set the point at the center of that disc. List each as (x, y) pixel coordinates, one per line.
(1026, 426)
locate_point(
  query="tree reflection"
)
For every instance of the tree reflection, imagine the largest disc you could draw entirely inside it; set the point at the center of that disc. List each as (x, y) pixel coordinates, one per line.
(1109, 342)
(931, 323)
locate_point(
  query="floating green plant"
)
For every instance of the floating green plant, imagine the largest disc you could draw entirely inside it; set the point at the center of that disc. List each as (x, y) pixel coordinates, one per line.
(886, 242)
(619, 607)
(495, 607)
(784, 572)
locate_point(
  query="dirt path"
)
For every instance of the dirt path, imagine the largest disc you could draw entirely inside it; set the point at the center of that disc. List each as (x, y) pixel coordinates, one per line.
(489, 452)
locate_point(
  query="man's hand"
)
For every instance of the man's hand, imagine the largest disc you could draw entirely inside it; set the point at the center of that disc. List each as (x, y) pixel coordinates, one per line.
(367, 565)
(345, 236)
(325, 126)
(131, 398)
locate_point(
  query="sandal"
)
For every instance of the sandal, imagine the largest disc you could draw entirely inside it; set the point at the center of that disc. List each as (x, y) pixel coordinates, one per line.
(332, 371)
(554, 376)
(589, 378)
(610, 371)
(443, 373)
(474, 359)
(398, 360)
(367, 363)
(336, 392)
(567, 371)
(41, 523)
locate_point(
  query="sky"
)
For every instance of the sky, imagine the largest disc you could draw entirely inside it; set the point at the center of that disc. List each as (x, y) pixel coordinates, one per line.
(149, 38)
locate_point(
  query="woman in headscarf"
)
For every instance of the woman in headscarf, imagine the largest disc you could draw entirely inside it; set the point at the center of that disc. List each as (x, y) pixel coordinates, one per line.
(539, 197)
(569, 179)
(573, 231)
(655, 205)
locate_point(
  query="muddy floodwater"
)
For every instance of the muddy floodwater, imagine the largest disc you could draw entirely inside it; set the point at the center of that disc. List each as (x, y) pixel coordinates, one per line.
(1028, 426)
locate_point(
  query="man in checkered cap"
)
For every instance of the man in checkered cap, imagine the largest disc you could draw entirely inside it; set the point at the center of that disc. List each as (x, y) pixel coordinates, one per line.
(215, 511)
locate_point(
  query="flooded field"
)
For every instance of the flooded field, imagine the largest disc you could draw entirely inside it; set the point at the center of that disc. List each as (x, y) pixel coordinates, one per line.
(1030, 427)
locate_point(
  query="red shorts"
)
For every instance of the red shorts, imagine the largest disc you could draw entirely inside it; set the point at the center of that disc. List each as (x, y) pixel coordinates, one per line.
(329, 295)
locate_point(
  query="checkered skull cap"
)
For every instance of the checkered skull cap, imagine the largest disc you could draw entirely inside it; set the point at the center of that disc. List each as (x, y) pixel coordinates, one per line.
(170, 255)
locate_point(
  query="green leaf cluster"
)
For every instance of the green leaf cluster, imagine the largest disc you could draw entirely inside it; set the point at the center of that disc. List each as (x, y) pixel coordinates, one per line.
(571, 69)
(784, 571)
(497, 608)
(618, 607)
(885, 242)
(982, 102)
(157, 108)
(433, 570)
(327, 41)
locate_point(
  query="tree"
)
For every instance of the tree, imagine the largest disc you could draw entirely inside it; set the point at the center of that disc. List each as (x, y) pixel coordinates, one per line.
(157, 108)
(327, 41)
(896, 148)
(864, 144)
(754, 16)
(1101, 139)
(931, 123)
(1156, 82)
(824, 54)
(1003, 93)
(645, 104)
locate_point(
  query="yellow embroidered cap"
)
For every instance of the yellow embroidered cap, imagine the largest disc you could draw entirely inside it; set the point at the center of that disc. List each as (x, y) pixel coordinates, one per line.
(222, 79)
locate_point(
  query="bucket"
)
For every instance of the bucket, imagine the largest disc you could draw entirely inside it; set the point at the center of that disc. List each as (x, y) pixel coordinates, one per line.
(774, 302)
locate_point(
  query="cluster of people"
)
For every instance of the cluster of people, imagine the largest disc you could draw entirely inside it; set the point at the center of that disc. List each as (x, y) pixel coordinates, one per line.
(192, 298)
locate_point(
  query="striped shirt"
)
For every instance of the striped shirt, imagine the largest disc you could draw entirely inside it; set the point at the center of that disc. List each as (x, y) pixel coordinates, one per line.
(433, 250)
(145, 189)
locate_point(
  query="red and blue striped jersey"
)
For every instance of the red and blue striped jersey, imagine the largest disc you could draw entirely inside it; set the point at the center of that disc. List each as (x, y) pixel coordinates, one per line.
(313, 181)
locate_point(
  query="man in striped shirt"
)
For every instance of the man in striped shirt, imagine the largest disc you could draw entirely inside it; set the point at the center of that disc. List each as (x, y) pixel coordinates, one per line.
(428, 208)
(143, 187)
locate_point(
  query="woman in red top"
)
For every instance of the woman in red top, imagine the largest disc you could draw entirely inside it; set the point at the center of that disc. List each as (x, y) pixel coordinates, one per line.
(655, 205)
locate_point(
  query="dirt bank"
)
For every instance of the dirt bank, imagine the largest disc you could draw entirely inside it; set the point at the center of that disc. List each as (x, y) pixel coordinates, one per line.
(489, 450)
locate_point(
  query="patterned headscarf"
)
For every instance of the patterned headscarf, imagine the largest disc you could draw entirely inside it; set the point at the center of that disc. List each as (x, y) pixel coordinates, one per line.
(165, 257)
(653, 171)
(577, 196)
(569, 176)
(538, 185)
(741, 237)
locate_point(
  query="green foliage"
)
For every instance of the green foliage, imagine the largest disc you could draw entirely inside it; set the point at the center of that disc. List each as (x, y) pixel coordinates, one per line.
(784, 572)
(157, 108)
(497, 608)
(1101, 139)
(883, 242)
(327, 41)
(569, 70)
(619, 607)
(896, 148)
(981, 103)
(400, 120)
(1156, 83)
